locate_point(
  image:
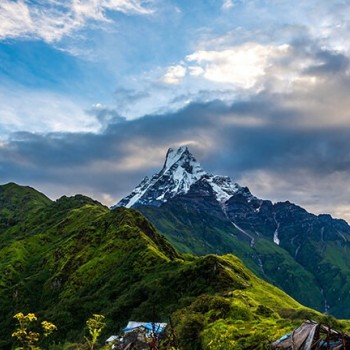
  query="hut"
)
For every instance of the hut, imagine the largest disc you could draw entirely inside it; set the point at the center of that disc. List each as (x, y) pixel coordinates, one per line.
(313, 336)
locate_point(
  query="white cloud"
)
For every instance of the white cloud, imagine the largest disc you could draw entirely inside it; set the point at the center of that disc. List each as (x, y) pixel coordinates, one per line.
(196, 71)
(42, 112)
(241, 66)
(52, 20)
(15, 19)
(174, 74)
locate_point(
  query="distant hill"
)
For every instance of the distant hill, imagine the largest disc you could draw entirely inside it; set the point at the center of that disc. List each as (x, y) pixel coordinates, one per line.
(67, 259)
(304, 254)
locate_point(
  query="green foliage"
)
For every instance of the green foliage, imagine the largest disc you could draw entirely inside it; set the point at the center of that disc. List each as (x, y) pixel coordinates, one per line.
(17, 201)
(297, 313)
(189, 330)
(74, 257)
(331, 321)
(240, 312)
(263, 310)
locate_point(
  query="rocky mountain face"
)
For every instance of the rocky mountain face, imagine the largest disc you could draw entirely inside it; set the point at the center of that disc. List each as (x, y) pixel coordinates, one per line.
(304, 254)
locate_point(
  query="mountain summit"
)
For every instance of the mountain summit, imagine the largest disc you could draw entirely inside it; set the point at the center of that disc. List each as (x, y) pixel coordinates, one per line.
(180, 171)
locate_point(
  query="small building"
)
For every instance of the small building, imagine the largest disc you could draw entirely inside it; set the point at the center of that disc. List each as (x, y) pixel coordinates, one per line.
(313, 336)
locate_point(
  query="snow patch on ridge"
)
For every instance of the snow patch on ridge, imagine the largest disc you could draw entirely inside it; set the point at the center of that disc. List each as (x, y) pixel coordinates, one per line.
(223, 187)
(137, 193)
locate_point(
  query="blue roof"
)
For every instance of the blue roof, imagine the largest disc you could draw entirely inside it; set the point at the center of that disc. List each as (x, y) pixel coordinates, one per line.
(150, 326)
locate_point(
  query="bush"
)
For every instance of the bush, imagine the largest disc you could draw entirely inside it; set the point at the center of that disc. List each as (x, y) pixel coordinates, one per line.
(240, 313)
(220, 304)
(201, 304)
(189, 331)
(263, 310)
(255, 341)
(297, 314)
(330, 321)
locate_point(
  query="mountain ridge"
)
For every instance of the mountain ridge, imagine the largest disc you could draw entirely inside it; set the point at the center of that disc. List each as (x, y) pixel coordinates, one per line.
(274, 239)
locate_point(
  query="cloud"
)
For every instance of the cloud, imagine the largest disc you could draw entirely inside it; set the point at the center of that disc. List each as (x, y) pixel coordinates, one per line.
(106, 116)
(241, 66)
(42, 111)
(251, 68)
(258, 143)
(288, 143)
(128, 100)
(15, 19)
(174, 74)
(52, 20)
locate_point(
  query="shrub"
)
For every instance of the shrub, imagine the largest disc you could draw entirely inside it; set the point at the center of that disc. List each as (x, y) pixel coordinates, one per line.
(263, 310)
(240, 313)
(221, 305)
(188, 331)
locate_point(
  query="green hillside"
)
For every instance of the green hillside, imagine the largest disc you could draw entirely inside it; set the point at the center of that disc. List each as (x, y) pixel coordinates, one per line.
(313, 250)
(68, 259)
(197, 232)
(18, 203)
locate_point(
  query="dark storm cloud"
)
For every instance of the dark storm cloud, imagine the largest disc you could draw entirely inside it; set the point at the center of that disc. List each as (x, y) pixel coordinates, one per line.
(330, 63)
(97, 160)
(281, 149)
(218, 135)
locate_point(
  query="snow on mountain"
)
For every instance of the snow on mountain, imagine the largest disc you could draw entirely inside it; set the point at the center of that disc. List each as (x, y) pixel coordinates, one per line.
(180, 171)
(223, 187)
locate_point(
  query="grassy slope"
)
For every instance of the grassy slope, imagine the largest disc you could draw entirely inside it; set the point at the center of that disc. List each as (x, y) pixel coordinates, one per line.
(16, 204)
(73, 257)
(191, 232)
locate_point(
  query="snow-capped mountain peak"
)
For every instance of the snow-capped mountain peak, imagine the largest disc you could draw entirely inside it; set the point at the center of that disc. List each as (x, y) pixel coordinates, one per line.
(180, 171)
(173, 156)
(182, 161)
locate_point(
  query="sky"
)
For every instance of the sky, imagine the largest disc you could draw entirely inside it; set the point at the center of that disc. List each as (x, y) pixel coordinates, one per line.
(94, 92)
